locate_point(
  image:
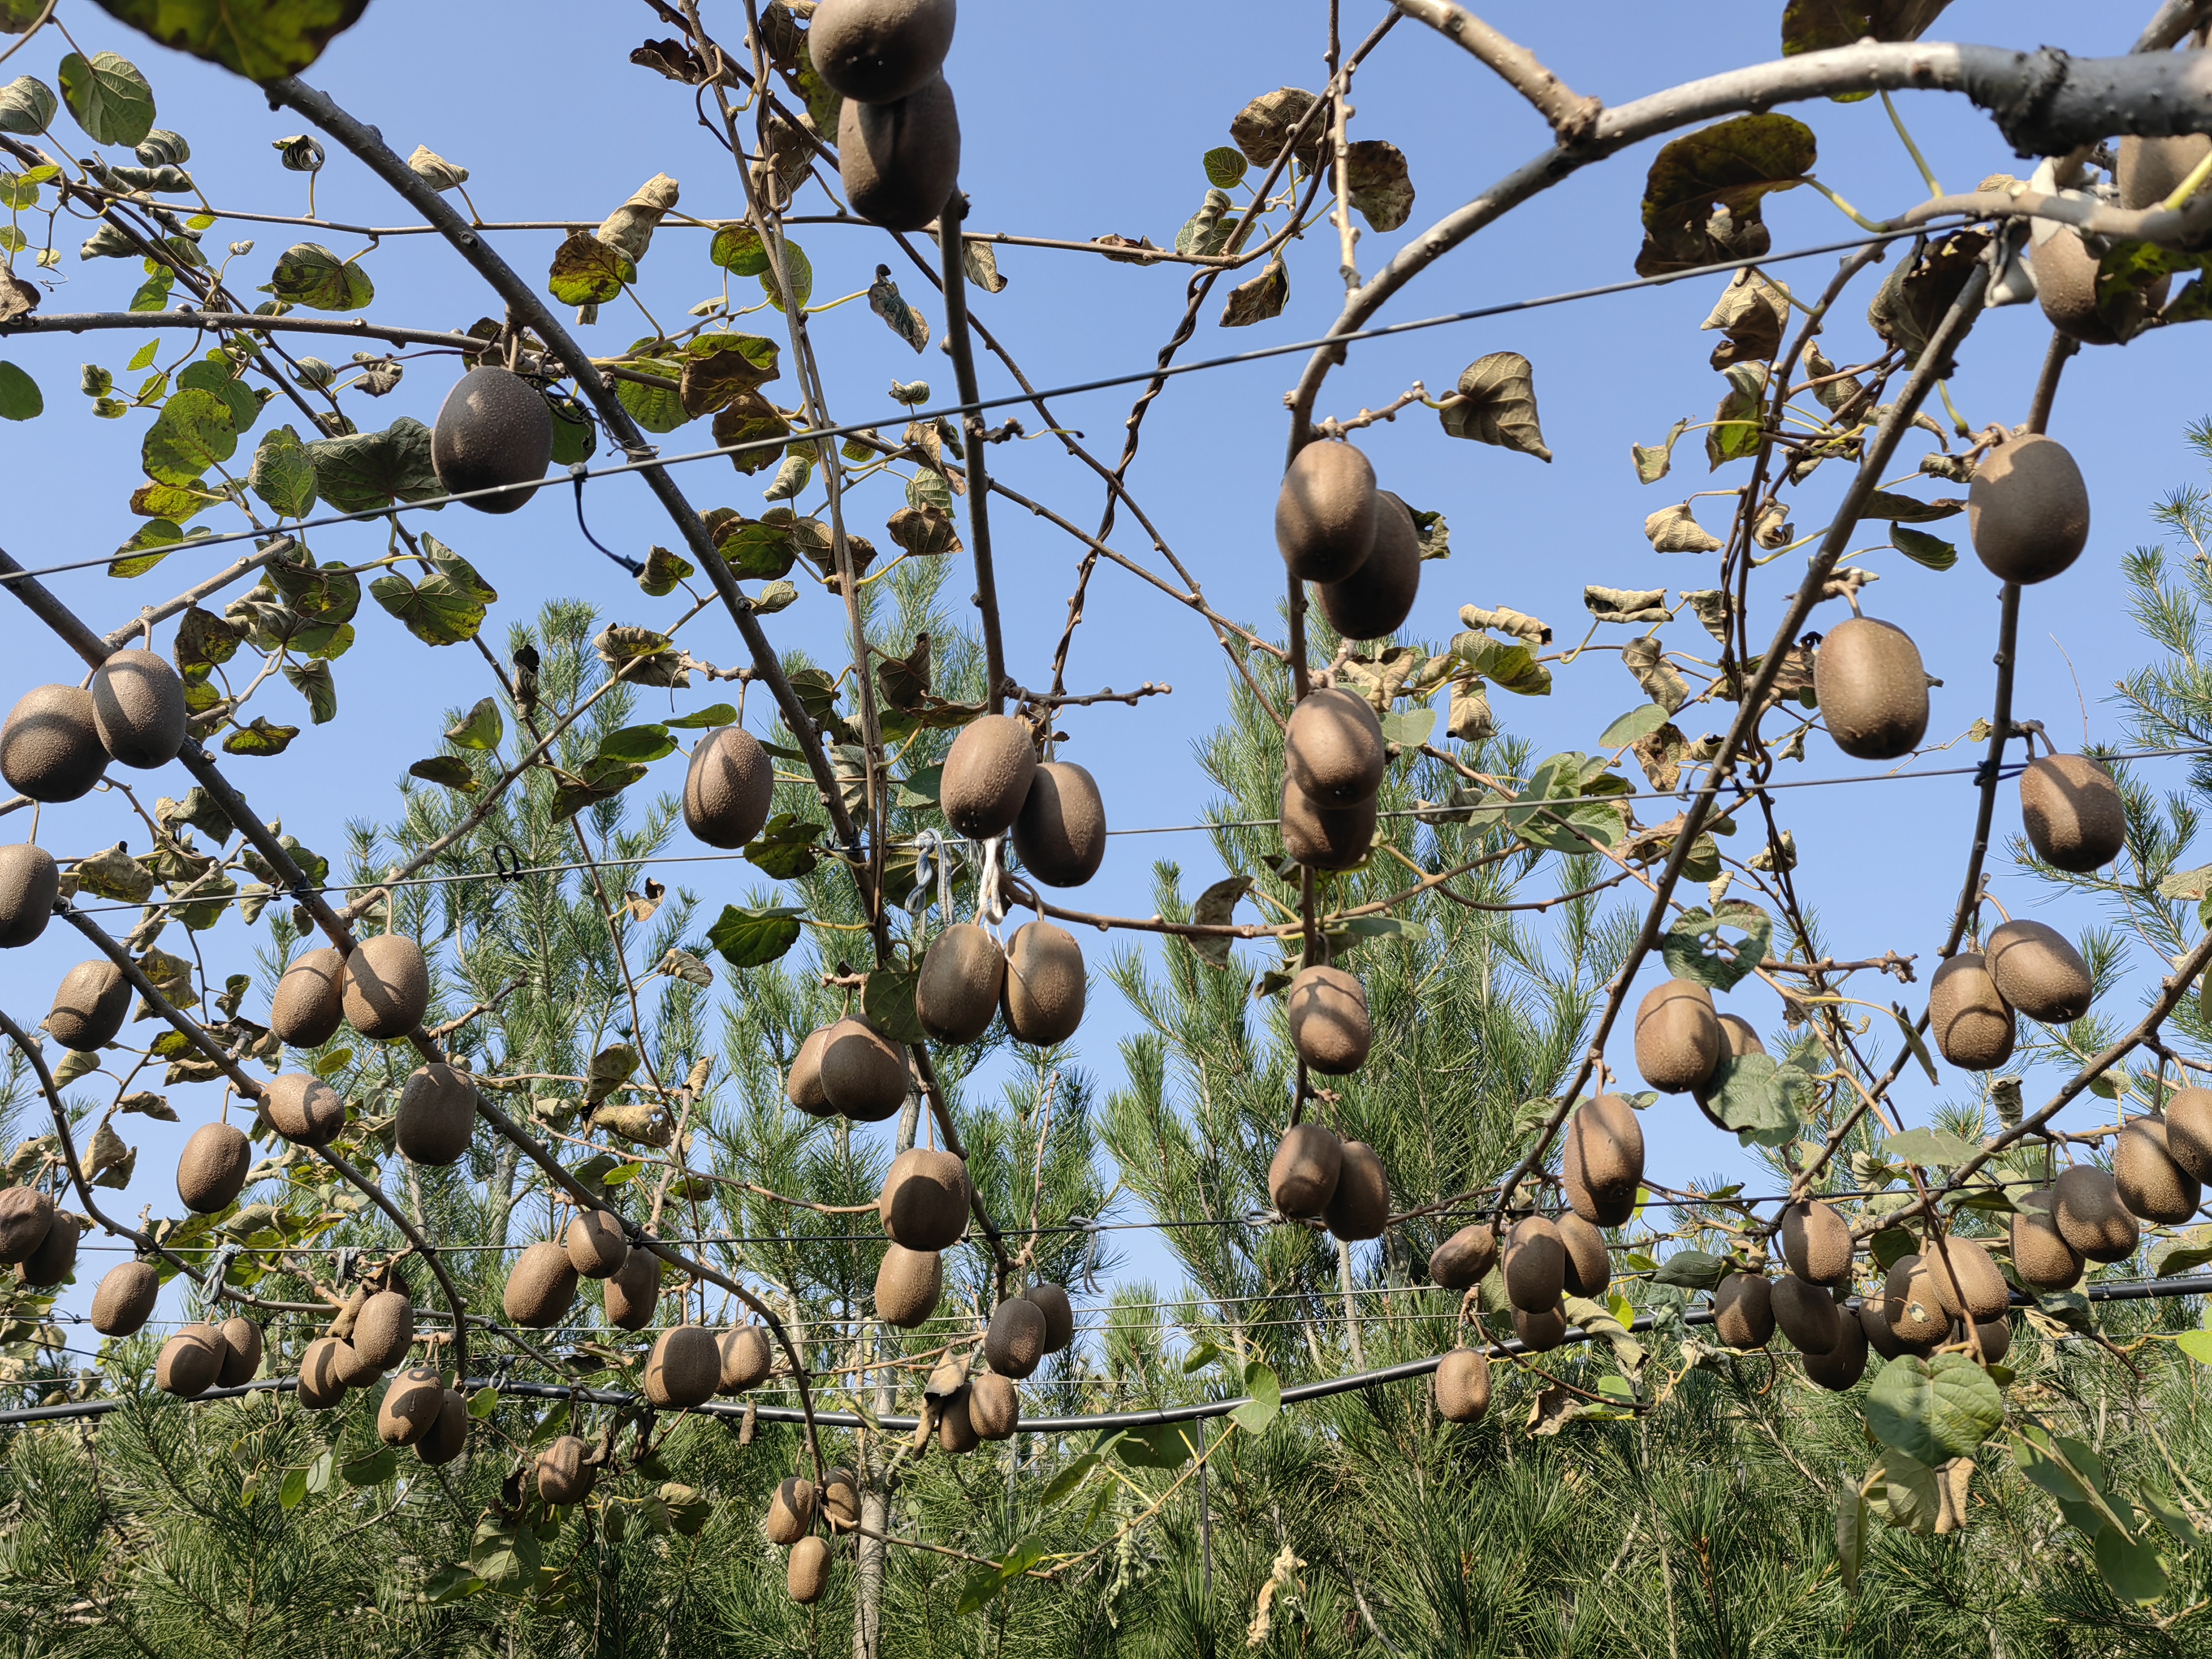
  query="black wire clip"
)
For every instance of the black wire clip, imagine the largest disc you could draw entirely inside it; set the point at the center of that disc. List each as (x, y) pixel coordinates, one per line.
(577, 473)
(506, 862)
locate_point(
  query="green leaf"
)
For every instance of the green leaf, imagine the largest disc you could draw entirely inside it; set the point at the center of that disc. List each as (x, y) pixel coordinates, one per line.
(293, 1491)
(802, 276)
(887, 999)
(753, 938)
(1922, 549)
(483, 1403)
(447, 606)
(1734, 165)
(1266, 1403)
(366, 470)
(1850, 1536)
(108, 98)
(261, 737)
(314, 682)
(1912, 1034)
(1910, 1491)
(153, 293)
(1070, 1475)
(1928, 1146)
(637, 745)
(2032, 1453)
(481, 729)
(739, 249)
(26, 106)
(283, 476)
(713, 715)
(505, 1557)
(1224, 166)
(587, 271)
(2197, 1344)
(450, 771)
(1687, 956)
(260, 40)
(601, 779)
(784, 850)
(1934, 1412)
(20, 397)
(193, 432)
(2132, 1569)
(1162, 1446)
(1692, 1270)
(372, 1469)
(1636, 725)
(663, 570)
(308, 274)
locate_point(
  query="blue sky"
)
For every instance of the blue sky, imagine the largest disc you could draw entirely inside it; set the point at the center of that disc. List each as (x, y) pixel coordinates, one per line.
(1077, 122)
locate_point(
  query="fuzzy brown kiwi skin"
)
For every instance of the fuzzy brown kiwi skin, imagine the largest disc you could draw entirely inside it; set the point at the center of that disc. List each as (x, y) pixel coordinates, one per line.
(2039, 972)
(900, 161)
(1972, 1024)
(595, 1243)
(25, 1214)
(2151, 1182)
(1743, 1310)
(1334, 748)
(1322, 837)
(125, 1299)
(30, 882)
(685, 1368)
(437, 1115)
(1817, 1242)
(728, 787)
(2072, 811)
(386, 987)
(1964, 1268)
(321, 1386)
(1045, 985)
(1303, 1177)
(1603, 1165)
(213, 1168)
(1328, 512)
(303, 1108)
(1373, 601)
(493, 429)
(1807, 1315)
(1915, 1319)
(89, 1006)
(924, 1201)
(1461, 1261)
(55, 1259)
(2189, 1130)
(1060, 833)
(1361, 1203)
(2027, 510)
(309, 1005)
(138, 709)
(1839, 1369)
(1678, 1037)
(802, 1084)
(1540, 1331)
(1588, 1269)
(747, 1358)
(1463, 1385)
(1051, 1301)
(864, 1074)
(633, 1291)
(2066, 286)
(1014, 1342)
(963, 975)
(539, 1287)
(1326, 1011)
(909, 1286)
(1872, 688)
(1535, 1263)
(2041, 1254)
(50, 748)
(877, 51)
(987, 776)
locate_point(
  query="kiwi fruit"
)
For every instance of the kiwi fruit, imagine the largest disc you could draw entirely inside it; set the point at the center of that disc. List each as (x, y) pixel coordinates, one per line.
(1871, 688)
(55, 1259)
(806, 1573)
(1060, 833)
(746, 1359)
(1043, 996)
(987, 776)
(386, 987)
(964, 973)
(564, 1476)
(1603, 1165)
(1840, 1369)
(2189, 1130)
(2066, 284)
(27, 1215)
(802, 1084)
(2152, 169)
(1463, 1385)
(864, 1076)
(685, 1368)
(1737, 1036)
(1874, 1324)
(1013, 1342)
(437, 1113)
(1915, 1317)
(1540, 1331)
(1743, 1310)
(89, 1006)
(310, 1000)
(1995, 1336)
(1324, 837)
(1303, 1176)
(125, 1299)
(2027, 509)
(353, 1367)
(924, 1201)
(2070, 807)
(633, 1291)
(138, 709)
(2041, 1254)
(383, 1330)
(877, 51)
(1328, 514)
(241, 1341)
(492, 430)
(907, 1285)
(596, 1245)
(449, 1434)
(303, 1108)
(1333, 748)
(1589, 1270)
(728, 789)
(212, 1170)
(1464, 1260)
(1059, 1313)
(2038, 972)
(900, 161)
(50, 749)
(30, 882)
(2150, 1181)
(956, 1425)
(1373, 602)
(539, 1287)
(1979, 1280)
(1535, 1264)
(1360, 1206)
(1816, 1242)
(411, 1406)
(1972, 1023)
(322, 1385)
(1328, 1014)
(189, 1362)
(840, 1499)
(1806, 1315)
(1678, 1037)
(994, 1407)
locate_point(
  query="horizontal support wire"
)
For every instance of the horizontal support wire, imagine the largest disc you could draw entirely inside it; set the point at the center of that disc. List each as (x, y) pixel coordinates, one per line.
(2138, 1289)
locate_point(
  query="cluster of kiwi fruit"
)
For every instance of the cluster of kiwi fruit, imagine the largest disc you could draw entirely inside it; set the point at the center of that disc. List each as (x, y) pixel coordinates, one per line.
(38, 1239)
(797, 1505)
(2148, 171)
(2027, 966)
(1681, 1039)
(494, 432)
(370, 1336)
(1930, 1299)
(58, 739)
(923, 1206)
(2160, 1162)
(1332, 760)
(381, 988)
(1316, 1174)
(1816, 1250)
(202, 1356)
(898, 133)
(1357, 545)
(541, 1286)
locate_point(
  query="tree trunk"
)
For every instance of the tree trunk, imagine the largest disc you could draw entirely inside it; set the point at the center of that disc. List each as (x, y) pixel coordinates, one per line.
(868, 1571)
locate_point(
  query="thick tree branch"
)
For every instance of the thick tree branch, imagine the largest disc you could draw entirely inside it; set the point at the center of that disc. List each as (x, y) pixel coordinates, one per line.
(1572, 115)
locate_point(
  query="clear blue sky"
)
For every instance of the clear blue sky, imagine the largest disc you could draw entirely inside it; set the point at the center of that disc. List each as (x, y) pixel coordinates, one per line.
(1079, 121)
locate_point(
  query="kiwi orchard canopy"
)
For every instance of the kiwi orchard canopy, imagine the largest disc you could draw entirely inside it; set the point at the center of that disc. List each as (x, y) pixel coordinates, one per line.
(428, 1191)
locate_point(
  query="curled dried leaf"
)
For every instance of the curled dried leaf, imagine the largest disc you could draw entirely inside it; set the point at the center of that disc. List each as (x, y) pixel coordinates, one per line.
(1676, 530)
(1496, 403)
